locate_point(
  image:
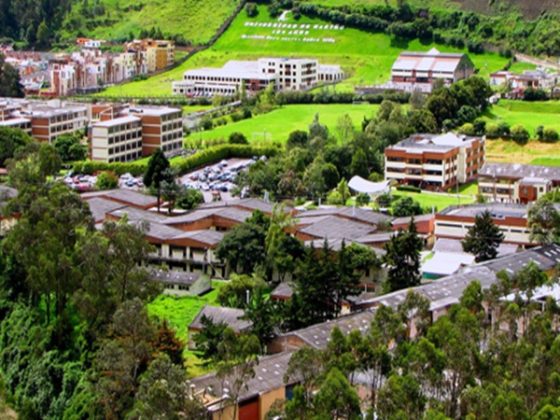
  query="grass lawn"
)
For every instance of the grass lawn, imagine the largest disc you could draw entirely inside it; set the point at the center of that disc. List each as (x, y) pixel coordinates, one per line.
(180, 312)
(196, 20)
(529, 114)
(546, 161)
(440, 201)
(366, 57)
(509, 151)
(277, 125)
(189, 109)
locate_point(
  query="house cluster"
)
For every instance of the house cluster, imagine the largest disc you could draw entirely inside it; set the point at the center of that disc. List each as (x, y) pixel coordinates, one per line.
(116, 132)
(90, 68)
(270, 384)
(419, 71)
(518, 83)
(253, 76)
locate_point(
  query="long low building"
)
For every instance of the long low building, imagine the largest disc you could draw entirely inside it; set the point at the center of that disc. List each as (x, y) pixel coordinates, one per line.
(435, 162)
(254, 76)
(455, 221)
(516, 183)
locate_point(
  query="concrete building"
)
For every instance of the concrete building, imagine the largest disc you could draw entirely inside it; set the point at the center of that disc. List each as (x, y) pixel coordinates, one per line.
(428, 67)
(455, 221)
(435, 162)
(516, 183)
(284, 73)
(117, 140)
(162, 128)
(54, 118)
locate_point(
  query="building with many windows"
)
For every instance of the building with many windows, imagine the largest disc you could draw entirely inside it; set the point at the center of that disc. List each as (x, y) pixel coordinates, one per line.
(516, 183)
(162, 127)
(435, 162)
(117, 140)
(284, 73)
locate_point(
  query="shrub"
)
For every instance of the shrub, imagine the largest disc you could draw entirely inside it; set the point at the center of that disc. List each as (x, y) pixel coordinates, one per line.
(107, 181)
(492, 131)
(363, 199)
(519, 134)
(252, 10)
(411, 188)
(237, 138)
(190, 199)
(467, 129)
(550, 135)
(531, 94)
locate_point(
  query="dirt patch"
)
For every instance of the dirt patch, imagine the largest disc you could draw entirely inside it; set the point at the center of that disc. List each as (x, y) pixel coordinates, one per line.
(529, 8)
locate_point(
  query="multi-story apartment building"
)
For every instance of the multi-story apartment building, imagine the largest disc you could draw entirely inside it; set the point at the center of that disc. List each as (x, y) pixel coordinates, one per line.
(435, 162)
(162, 128)
(455, 221)
(159, 54)
(52, 119)
(516, 183)
(117, 140)
(427, 67)
(283, 73)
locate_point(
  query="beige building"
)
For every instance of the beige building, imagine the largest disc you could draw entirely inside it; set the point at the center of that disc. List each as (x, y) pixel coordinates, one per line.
(159, 54)
(162, 127)
(118, 140)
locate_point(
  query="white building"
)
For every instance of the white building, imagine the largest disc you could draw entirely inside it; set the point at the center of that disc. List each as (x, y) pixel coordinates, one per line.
(284, 73)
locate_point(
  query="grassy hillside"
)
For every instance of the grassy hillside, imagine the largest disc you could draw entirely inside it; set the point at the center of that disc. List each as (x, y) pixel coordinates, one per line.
(278, 124)
(529, 114)
(194, 20)
(366, 57)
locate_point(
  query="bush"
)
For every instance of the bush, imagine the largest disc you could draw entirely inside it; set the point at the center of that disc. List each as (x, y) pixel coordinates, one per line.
(107, 181)
(519, 134)
(237, 138)
(492, 131)
(467, 129)
(411, 188)
(252, 10)
(363, 199)
(550, 135)
(189, 199)
(531, 94)
(384, 200)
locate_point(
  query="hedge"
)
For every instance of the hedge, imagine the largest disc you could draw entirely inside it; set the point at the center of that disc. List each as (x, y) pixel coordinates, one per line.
(411, 188)
(183, 164)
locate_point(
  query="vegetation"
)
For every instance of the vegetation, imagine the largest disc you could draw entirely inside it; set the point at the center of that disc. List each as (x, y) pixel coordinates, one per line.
(12, 141)
(403, 259)
(366, 56)
(10, 85)
(483, 238)
(70, 147)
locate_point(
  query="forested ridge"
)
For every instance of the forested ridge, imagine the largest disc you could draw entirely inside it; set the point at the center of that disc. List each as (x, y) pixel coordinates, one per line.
(75, 337)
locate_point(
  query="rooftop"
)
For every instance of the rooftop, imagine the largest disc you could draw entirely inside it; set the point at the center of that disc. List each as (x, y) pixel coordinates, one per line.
(229, 316)
(245, 203)
(100, 206)
(518, 171)
(355, 213)
(433, 142)
(432, 60)
(122, 195)
(116, 121)
(175, 277)
(335, 227)
(497, 210)
(234, 69)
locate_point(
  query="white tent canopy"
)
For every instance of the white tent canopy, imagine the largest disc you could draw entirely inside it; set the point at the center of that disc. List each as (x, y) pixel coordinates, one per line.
(361, 185)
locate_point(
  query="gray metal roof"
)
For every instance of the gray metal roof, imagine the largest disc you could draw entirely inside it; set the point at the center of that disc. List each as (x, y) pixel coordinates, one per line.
(100, 206)
(497, 210)
(518, 171)
(247, 203)
(131, 197)
(353, 213)
(282, 291)
(174, 277)
(229, 316)
(269, 375)
(455, 246)
(334, 227)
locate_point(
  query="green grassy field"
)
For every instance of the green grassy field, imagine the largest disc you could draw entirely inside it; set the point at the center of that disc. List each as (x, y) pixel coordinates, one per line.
(440, 201)
(278, 124)
(196, 20)
(528, 114)
(365, 57)
(533, 152)
(180, 312)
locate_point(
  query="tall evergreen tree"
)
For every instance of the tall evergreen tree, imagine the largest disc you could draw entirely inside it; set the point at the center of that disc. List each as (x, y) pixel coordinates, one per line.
(403, 258)
(158, 172)
(483, 238)
(10, 85)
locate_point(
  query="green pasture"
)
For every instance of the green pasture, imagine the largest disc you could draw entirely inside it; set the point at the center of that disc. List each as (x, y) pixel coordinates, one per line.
(529, 114)
(277, 125)
(365, 57)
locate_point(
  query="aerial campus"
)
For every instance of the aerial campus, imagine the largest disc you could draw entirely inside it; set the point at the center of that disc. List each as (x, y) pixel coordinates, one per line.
(280, 210)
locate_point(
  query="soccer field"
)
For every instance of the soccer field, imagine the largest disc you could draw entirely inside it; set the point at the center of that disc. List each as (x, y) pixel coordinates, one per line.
(277, 125)
(366, 57)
